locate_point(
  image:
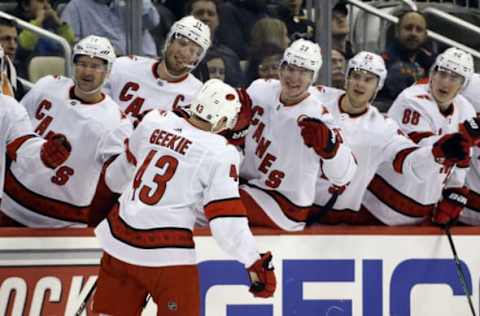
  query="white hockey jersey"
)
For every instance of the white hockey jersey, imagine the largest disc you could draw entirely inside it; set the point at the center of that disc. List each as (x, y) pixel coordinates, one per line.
(37, 196)
(394, 198)
(135, 86)
(277, 160)
(178, 166)
(471, 214)
(14, 123)
(374, 139)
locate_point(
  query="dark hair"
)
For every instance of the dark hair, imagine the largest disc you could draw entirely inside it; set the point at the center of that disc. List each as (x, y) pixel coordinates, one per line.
(189, 5)
(258, 55)
(341, 7)
(404, 13)
(7, 22)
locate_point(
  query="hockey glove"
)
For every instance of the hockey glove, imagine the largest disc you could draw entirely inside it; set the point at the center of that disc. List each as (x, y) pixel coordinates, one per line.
(317, 135)
(262, 277)
(471, 129)
(55, 151)
(236, 135)
(451, 148)
(449, 208)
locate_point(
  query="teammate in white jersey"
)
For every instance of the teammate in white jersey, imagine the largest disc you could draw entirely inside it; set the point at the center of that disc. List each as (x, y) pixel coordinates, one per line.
(139, 84)
(427, 112)
(373, 138)
(15, 133)
(37, 195)
(291, 143)
(147, 238)
(471, 213)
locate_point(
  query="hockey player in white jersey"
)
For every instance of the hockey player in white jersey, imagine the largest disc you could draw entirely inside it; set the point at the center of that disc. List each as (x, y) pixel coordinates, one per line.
(15, 133)
(471, 213)
(37, 195)
(427, 112)
(147, 238)
(139, 84)
(290, 144)
(373, 138)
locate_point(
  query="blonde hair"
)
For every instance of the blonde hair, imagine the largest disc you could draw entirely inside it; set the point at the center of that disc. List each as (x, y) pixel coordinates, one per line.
(269, 30)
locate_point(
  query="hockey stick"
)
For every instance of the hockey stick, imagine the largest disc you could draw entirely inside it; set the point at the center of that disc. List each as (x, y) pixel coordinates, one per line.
(315, 217)
(85, 300)
(460, 274)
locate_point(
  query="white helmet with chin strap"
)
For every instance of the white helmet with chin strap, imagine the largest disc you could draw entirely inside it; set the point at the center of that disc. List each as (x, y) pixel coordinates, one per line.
(304, 54)
(215, 101)
(94, 47)
(457, 61)
(370, 62)
(193, 29)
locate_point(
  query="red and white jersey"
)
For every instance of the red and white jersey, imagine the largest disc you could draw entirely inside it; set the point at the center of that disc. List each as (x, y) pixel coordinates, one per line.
(178, 167)
(37, 196)
(276, 158)
(471, 213)
(394, 198)
(14, 123)
(135, 86)
(374, 139)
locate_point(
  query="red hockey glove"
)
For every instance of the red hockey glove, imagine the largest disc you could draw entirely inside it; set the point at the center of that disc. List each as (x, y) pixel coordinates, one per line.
(451, 148)
(55, 151)
(236, 135)
(317, 135)
(262, 277)
(449, 208)
(471, 129)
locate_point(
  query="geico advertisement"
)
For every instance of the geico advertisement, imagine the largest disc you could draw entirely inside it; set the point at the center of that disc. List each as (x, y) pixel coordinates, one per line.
(331, 275)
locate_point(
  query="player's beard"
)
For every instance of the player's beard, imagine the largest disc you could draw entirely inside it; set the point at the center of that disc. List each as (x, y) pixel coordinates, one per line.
(178, 70)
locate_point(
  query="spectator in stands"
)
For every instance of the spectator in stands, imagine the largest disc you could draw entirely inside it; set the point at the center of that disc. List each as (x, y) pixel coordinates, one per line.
(8, 40)
(407, 58)
(339, 64)
(341, 30)
(107, 18)
(215, 66)
(269, 31)
(40, 13)
(264, 62)
(237, 18)
(207, 12)
(298, 25)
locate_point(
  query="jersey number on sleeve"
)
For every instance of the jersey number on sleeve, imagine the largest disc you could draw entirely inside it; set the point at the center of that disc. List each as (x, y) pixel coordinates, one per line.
(410, 116)
(168, 165)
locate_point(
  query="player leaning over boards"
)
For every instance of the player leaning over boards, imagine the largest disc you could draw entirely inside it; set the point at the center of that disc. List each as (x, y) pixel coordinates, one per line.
(426, 113)
(375, 139)
(291, 143)
(59, 195)
(139, 84)
(147, 239)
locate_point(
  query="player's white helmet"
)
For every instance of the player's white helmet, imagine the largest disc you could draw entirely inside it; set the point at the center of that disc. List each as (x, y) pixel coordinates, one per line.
(193, 29)
(95, 46)
(215, 101)
(457, 61)
(369, 62)
(305, 54)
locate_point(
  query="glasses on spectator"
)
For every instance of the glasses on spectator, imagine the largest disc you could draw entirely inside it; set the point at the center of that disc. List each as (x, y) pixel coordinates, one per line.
(94, 67)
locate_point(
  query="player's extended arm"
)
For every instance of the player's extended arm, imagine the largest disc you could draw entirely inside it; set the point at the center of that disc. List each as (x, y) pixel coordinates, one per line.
(339, 165)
